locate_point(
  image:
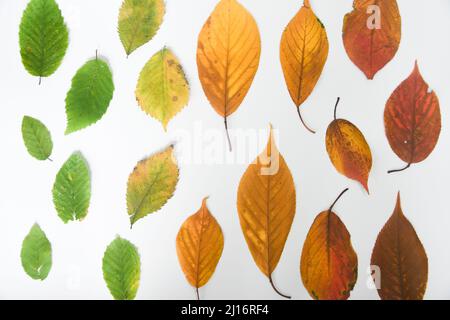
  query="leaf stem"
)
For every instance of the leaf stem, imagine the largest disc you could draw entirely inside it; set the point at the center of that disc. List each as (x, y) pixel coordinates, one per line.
(303, 122)
(335, 108)
(276, 290)
(50, 159)
(228, 135)
(399, 170)
(337, 199)
(40, 80)
(198, 295)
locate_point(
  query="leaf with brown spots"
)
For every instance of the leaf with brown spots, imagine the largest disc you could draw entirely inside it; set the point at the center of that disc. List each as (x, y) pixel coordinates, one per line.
(199, 247)
(412, 119)
(372, 33)
(399, 260)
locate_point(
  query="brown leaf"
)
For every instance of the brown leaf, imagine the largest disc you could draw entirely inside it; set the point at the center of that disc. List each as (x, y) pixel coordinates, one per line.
(412, 119)
(401, 259)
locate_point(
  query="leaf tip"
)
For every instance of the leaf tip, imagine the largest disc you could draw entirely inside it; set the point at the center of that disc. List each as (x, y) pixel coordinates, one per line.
(306, 4)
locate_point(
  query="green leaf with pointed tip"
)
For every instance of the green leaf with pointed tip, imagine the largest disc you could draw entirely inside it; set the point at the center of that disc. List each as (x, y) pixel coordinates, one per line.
(89, 97)
(37, 138)
(72, 189)
(43, 37)
(162, 90)
(139, 20)
(36, 254)
(122, 269)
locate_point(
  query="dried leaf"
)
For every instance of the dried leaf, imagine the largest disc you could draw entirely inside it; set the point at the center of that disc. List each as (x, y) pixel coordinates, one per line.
(303, 53)
(266, 205)
(401, 260)
(37, 138)
(348, 150)
(329, 265)
(372, 33)
(36, 254)
(162, 90)
(229, 47)
(412, 119)
(199, 247)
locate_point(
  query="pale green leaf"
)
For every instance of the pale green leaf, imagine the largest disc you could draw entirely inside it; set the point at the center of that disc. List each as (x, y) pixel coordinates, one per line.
(162, 90)
(36, 254)
(37, 138)
(122, 269)
(72, 189)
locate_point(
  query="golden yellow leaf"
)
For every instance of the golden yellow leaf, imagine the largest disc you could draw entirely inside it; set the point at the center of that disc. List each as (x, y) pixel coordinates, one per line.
(303, 53)
(229, 47)
(266, 206)
(199, 247)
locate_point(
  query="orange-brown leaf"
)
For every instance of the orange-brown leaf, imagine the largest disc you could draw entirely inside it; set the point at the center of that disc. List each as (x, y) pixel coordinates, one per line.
(401, 260)
(369, 46)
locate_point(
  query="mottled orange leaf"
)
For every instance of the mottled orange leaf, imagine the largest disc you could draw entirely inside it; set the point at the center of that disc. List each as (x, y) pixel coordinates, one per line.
(229, 47)
(372, 33)
(303, 53)
(199, 247)
(329, 265)
(348, 150)
(266, 206)
(399, 261)
(412, 119)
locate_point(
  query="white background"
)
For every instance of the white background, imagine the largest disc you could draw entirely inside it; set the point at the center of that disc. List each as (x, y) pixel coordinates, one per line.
(126, 135)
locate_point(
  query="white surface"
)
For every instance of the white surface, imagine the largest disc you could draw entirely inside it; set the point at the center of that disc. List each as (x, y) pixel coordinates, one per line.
(126, 135)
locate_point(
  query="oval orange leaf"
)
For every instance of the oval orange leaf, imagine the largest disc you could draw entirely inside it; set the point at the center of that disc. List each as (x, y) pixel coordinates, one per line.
(229, 47)
(303, 53)
(372, 33)
(399, 260)
(266, 206)
(199, 247)
(348, 150)
(329, 265)
(412, 119)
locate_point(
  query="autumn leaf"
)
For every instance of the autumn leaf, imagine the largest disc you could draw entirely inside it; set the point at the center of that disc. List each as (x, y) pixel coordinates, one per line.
(36, 254)
(412, 120)
(162, 90)
(329, 265)
(348, 150)
(229, 47)
(303, 53)
(266, 206)
(399, 260)
(151, 184)
(371, 34)
(37, 138)
(199, 247)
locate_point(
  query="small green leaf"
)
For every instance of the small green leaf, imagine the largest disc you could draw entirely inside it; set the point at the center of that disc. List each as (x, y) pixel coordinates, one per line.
(139, 20)
(89, 97)
(37, 138)
(36, 254)
(43, 37)
(72, 189)
(122, 269)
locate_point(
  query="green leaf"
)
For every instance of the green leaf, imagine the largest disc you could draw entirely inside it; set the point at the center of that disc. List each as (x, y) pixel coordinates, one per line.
(122, 269)
(37, 138)
(43, 37)
(89, 97)
(162, 90)
(139, 20)
(151, 184)
(72, 189)
(36, 254)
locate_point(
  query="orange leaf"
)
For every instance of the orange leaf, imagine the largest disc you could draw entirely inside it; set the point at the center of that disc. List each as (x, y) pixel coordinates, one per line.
(329, 265)
(229, 47)
(348, 150)
(401, 259)
(412, 119)
(266, 207)
(372, 33)
(303, 53)
(199, 246)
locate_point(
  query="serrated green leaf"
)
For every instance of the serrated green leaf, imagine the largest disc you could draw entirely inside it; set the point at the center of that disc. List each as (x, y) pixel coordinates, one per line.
(37, 138)
(151, 184)
(43, 37)
(36, 254)
(162, 90)
(72, 189)
(122, 269)
(139, 20)
(89, 97)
